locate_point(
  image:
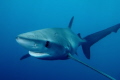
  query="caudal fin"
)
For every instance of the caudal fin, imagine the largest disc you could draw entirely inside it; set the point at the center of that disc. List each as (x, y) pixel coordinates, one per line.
(95, 37)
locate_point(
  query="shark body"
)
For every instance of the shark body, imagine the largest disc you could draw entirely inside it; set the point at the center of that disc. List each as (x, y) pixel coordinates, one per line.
(61, 43)
(55, 45)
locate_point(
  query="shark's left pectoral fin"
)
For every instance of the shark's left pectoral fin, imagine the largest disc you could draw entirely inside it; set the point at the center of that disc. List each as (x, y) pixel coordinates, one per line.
(25, 56)
(104, 74)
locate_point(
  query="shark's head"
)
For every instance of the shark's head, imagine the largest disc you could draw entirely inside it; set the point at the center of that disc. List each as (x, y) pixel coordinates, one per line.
(42, 45)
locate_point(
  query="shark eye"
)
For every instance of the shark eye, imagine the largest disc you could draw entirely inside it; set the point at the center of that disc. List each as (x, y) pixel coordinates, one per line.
(47, 44)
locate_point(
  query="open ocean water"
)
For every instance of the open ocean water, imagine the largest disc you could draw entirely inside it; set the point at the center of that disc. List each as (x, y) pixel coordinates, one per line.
(19, 16)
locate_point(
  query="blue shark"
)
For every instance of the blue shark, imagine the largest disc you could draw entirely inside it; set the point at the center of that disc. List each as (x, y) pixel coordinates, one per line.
(61, 43)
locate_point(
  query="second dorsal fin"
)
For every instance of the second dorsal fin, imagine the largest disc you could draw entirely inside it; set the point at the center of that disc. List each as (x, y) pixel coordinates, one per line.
(79, 35)
(70, 23)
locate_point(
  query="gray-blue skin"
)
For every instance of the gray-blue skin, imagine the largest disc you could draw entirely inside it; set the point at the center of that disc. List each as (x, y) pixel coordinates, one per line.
(60, 43)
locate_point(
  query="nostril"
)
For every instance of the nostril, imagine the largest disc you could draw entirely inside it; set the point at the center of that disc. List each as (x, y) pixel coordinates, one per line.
(17, 37)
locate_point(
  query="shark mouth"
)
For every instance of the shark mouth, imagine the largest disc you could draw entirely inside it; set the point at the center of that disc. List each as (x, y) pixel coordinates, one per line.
(38, 55)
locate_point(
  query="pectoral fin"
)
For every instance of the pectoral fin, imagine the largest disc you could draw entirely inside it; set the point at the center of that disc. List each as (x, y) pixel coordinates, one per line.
(25, 56)
(104, 74)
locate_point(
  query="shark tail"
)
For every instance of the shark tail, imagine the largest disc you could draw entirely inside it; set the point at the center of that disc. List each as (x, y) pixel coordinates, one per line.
(104, 74)
(95, 37)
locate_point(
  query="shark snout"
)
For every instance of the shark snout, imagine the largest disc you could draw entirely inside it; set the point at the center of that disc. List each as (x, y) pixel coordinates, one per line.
(17, 38)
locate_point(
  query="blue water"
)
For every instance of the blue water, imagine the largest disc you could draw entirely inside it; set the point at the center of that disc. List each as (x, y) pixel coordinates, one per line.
(19, 16)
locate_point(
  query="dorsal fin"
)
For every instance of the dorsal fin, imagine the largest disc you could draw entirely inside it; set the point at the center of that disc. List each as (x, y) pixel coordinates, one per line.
(70, 23)
(82, 40)
(104, 74)
(79, 35)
